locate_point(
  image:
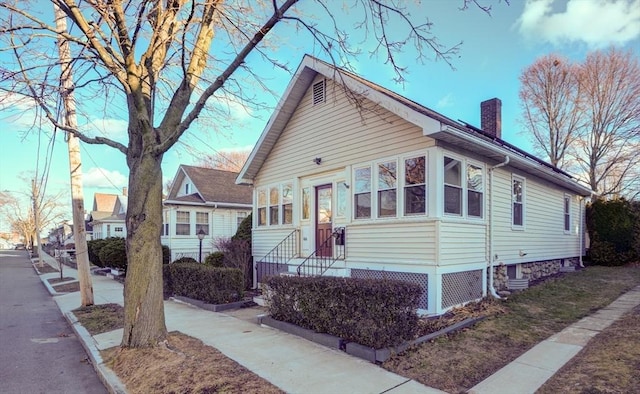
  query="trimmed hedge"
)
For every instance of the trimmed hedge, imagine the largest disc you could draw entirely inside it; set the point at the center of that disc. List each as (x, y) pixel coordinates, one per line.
(183, 260)
(372, 312)
(215, 259)
(113, 253)
(212, 285)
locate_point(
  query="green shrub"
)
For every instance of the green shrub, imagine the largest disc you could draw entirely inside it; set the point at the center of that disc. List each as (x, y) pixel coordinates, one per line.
(114, 254)
(613, 232)
(215, 259)
(371, 312)
(93, 250)
(244, 230)
(166, 254)
(213, 285)
(185, 260)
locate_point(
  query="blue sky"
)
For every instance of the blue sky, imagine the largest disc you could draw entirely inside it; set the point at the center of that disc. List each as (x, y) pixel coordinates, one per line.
(494, 51)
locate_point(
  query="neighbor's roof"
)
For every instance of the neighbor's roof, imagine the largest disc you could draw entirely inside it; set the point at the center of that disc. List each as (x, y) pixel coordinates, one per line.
(433, 124)
(212, 187)
(103, 202)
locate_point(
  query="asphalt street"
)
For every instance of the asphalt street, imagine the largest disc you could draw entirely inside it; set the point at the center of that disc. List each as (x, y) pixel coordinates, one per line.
(39, 352)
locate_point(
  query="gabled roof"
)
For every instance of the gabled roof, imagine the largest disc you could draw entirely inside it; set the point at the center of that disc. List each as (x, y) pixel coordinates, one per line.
(433, 124)
(211, 187)
(103, 202)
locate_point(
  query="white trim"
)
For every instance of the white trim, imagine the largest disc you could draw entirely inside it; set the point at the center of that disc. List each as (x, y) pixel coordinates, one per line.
(523, 181)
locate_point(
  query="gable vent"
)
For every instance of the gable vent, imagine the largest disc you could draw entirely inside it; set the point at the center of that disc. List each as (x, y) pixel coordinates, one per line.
(319, 92)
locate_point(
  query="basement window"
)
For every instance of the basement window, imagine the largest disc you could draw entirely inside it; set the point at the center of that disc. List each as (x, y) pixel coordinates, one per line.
(319, 92)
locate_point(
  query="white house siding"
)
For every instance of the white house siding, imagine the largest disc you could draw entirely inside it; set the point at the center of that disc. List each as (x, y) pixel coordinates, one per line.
(336, 132)
(462, 243)
(385, 245)
(542, 236)
(222, 224)
(263, 240)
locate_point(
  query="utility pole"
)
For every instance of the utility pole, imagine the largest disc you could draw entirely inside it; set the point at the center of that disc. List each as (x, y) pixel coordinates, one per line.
(36, 221)
(75, 163)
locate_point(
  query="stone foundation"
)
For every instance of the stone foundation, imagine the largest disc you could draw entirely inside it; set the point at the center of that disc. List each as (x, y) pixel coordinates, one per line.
(532, 271)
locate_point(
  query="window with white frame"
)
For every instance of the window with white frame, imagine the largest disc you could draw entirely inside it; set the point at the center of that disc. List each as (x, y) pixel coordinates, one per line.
(165, 223)
(183, 223)
(306, 203)
(567, 213)
(452, 186)
(517, 201)
(202, 222)
(274, 199)
(341, 199)
(475, 191)
(362, 193)
(117, 229)
(262, 207)
(108, 230)
(187, 188)
(287, 203)
(387, 194)
(415, 197)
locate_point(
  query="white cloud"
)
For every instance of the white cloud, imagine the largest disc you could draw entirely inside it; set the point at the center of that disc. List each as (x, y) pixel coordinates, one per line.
(596, 23)
(108, 127)
(446, 101)
(103, 178)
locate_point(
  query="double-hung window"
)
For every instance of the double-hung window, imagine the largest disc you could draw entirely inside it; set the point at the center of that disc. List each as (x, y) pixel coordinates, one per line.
(202, 222)
(567, 214)
(518, 201)
(183, 223)
(387, 180)
(274, 199)
(452, 186)
(262, 207)
(475, 191)
(362, 193)
(287, 203)
(415, 191)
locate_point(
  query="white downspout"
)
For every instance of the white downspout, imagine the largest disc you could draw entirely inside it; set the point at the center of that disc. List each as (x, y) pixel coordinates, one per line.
(580, 231)
(492, 290)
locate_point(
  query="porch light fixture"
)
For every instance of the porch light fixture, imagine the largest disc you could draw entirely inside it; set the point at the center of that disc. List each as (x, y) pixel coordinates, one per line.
(201, 235)
(317, 160)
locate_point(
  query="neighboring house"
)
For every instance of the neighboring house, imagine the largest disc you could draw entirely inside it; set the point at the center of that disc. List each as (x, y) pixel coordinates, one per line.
(107, 218)
(362, 182)
(202, 199)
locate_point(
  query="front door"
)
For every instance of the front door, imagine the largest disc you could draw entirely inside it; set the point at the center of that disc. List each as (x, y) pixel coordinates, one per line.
(323, 220)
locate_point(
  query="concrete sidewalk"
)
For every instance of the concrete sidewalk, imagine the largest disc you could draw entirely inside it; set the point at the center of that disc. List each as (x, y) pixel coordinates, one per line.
(298, 366)
(293, 364)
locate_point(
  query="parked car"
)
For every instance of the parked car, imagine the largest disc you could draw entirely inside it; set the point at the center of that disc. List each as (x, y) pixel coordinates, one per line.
(19, 247)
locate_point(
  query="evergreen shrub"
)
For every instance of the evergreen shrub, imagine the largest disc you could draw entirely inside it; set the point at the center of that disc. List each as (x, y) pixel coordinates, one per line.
(212, 285)
(372, 312)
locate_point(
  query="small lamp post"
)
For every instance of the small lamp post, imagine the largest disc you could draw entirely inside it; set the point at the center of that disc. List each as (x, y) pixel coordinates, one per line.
(201, 235)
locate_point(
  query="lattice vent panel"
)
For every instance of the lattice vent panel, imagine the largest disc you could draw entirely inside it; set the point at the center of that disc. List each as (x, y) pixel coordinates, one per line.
(420, 279)
(460, 287)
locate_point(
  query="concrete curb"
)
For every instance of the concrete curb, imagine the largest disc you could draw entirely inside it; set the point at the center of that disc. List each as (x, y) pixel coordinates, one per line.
(106, 375)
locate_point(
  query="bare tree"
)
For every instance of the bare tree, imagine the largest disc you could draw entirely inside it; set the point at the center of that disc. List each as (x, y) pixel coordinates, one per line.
(156, 62)
(607, 154)
(20, 213)
(550, 101)
(228, 160)
(586, 117)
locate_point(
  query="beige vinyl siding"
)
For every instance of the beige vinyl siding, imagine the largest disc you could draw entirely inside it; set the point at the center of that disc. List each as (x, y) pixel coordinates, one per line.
(542, 236)
(387, 243)
(462, 243)
(336, 132)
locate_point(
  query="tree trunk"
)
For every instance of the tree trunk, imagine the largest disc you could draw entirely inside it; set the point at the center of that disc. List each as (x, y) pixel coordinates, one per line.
(144, 324)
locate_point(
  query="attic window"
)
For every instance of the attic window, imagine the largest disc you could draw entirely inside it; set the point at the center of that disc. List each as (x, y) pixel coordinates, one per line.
(319, 93)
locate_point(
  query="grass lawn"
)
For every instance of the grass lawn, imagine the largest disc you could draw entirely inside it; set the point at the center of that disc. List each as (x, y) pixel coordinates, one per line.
(458, 361)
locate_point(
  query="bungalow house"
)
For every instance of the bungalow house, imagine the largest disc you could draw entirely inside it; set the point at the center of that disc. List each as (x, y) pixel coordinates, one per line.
(109, 223)
(351, 179)
(205, 201)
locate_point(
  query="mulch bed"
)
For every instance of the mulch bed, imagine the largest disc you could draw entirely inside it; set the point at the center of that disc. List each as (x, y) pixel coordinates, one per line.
(46, 269)
(58, 280)
(67, 288)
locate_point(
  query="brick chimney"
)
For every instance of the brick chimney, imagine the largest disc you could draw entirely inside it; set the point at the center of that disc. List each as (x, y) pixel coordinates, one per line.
(491, 117)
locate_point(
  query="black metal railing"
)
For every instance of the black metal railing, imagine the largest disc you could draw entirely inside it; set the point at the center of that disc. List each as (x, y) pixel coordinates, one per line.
(319, 262)
(276, 261)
